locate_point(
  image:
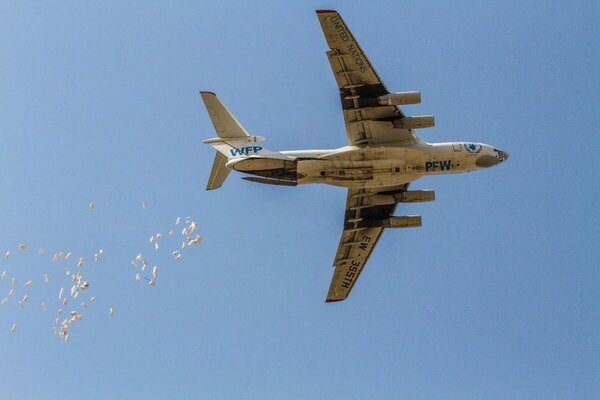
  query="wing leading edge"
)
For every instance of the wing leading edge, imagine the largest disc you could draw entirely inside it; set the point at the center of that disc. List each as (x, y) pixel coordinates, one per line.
(362, 229)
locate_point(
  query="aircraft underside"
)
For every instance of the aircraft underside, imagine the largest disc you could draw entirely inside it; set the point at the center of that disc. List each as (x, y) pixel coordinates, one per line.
(353, 168)
(383, 155)
(373, 173)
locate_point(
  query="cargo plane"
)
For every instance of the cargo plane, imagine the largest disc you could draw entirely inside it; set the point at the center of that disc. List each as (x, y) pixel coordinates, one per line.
(382, 157)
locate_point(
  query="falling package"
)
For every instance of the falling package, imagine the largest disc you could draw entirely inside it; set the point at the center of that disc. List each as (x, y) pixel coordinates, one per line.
(77, 279)
(195, 241)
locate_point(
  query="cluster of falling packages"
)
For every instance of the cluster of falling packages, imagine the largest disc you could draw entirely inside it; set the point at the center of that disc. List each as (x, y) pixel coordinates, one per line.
(73, 290)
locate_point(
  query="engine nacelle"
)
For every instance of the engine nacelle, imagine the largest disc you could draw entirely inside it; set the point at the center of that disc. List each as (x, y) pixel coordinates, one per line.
(379, 200)
(415, 196)
(396, 99)
(411, 196)
(408, 221)
(416, 122)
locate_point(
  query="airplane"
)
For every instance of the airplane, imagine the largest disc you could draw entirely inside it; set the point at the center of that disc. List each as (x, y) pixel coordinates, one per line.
(383, 156)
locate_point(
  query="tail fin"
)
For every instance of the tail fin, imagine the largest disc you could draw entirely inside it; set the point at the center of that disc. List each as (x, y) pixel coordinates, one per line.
(226, 125)
(232, 142)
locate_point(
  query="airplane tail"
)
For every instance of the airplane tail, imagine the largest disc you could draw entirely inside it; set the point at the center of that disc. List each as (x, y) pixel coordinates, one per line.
(233, 140)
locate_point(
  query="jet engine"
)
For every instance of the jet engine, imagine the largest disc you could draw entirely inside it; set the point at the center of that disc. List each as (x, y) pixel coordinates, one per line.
(410, 196)
(415, 196)
(416, 122)
(396, 99)
(408, 221)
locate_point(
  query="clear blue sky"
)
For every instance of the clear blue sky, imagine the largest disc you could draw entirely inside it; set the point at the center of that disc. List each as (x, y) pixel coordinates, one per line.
(496, 296)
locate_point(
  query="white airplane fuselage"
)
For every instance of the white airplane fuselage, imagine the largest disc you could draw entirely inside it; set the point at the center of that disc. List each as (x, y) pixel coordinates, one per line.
(369, 167)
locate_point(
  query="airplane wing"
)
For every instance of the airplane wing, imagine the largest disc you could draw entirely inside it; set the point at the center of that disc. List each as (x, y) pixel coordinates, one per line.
(367, 121)
(361, 233)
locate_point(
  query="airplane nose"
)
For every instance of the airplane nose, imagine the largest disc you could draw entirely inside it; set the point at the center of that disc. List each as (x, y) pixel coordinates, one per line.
(502, 155)
(489, 160)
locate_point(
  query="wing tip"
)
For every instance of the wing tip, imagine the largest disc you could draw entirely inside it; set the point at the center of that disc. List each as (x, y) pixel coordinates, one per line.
(207, 92)
(325, 11)
(333, 300)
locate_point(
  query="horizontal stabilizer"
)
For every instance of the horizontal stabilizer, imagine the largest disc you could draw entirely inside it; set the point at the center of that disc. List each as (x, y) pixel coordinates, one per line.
(225, 123)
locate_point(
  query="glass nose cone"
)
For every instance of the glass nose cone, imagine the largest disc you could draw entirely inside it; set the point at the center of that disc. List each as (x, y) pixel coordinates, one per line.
(502, 155)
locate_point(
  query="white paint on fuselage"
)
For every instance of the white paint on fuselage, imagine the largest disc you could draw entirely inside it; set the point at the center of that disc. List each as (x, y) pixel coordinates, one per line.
(365, 167)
